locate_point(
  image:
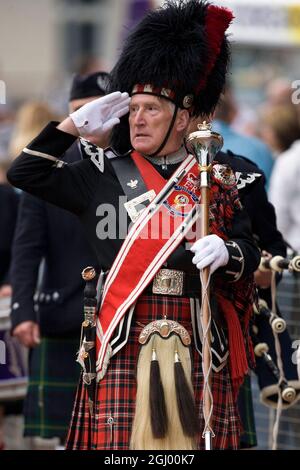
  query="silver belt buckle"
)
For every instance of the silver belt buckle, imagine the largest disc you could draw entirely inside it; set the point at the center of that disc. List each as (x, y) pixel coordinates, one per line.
(169, 282)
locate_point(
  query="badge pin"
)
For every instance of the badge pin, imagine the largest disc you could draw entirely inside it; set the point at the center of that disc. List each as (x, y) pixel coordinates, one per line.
(181, 200)
(133, 184)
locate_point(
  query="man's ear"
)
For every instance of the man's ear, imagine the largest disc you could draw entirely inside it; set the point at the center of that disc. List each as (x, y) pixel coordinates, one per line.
(183, 119)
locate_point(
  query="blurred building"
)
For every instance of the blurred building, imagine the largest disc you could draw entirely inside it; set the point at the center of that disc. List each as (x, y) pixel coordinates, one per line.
(43, 42)
(266, 44)
(265, 35)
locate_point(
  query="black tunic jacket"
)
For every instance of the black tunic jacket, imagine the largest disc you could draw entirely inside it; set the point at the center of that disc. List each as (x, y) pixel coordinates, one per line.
(44, 231)
(83, 189)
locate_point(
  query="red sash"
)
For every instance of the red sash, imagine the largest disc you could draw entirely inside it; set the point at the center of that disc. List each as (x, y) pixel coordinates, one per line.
(157, 232)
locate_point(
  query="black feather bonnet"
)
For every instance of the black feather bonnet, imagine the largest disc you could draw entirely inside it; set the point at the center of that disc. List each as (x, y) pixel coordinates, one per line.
(179, 51)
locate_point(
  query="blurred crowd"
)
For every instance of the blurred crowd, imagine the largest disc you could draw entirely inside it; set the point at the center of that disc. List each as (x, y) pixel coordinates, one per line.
(37, 242)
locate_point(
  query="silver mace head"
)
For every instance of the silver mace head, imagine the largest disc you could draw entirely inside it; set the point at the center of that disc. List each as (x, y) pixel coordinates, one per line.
(204, 144)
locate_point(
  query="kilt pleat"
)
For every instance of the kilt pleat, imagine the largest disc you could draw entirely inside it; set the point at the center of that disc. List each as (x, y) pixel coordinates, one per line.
(245, 407)
(114, 408)
(53, 377)
(81, 433)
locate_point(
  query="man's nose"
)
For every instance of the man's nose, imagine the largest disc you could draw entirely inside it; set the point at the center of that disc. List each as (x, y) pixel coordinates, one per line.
(139, 117)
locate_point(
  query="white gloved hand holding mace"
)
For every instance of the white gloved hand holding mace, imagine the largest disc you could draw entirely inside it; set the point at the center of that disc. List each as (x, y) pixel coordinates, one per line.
(210, 251)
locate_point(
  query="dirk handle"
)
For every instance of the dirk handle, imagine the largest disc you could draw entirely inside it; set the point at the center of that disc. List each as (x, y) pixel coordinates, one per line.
(89, 333)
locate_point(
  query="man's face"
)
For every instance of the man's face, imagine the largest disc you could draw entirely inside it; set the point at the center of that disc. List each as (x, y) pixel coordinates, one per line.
(149, 121)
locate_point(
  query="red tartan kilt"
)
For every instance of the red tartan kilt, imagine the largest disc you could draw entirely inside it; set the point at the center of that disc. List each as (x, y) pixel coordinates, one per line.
(110, 426)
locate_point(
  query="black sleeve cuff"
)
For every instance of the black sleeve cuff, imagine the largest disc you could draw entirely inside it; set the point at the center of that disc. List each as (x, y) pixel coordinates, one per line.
(234, 269)
(21, 312)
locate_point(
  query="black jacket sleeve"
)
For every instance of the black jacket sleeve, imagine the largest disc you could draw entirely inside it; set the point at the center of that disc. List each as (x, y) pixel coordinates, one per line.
(9, 200)
(40, 171)
(28, 250)
(263, 218)
(244, 255)
(254, 198)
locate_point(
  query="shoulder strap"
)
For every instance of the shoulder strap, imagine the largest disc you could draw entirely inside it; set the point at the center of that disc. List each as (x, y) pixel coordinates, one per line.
(128, 174)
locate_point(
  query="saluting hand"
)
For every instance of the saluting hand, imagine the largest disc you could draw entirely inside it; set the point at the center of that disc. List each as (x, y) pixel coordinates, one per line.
(101, 115)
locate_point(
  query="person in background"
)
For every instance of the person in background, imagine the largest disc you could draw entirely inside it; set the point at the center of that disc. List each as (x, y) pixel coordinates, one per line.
(9, 200)
(30, 118)
(248, 146)
(279, 92)
(13, 371)
(266, 233)
(281, 129)
(47, 314)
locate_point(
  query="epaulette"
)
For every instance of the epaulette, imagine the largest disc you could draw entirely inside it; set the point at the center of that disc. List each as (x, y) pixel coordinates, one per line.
(243, 179)
(111, 153)
(244, 169)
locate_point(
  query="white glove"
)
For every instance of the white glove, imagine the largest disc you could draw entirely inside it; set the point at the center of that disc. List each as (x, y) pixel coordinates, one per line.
(101, 115)
(210, 251)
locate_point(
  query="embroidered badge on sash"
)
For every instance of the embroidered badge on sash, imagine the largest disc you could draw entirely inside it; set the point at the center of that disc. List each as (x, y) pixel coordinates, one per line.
(242, 179)
(192, 182)
(181, 200)
(181, 203)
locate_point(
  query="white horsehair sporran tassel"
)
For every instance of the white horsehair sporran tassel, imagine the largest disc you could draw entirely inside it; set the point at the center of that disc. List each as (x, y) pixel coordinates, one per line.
(168, 351)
